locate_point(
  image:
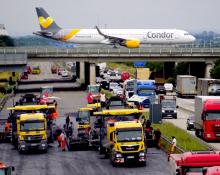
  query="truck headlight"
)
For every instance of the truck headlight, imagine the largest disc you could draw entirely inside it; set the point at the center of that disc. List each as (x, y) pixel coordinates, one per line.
(118, 155)
(141, 154)
(163, 111)
(174, 111)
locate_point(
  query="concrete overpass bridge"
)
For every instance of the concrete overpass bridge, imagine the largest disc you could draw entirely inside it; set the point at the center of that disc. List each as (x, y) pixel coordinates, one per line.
(87, 57)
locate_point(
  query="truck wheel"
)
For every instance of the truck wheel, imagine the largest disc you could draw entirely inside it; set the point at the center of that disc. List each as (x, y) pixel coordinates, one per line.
(175, 117)
(143, 163)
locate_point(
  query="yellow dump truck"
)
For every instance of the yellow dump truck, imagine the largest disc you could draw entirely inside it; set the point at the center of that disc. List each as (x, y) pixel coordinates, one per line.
(142, 73)
(122, 136)
(31, 132)
(49, 112)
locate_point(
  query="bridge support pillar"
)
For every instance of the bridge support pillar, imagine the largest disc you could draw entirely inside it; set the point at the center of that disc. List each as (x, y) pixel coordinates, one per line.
(92, 75)
(77, 69)
(82, 72)
(209, 66)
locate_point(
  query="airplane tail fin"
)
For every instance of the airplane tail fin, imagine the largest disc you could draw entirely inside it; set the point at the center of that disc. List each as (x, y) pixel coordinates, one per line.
(47, 23)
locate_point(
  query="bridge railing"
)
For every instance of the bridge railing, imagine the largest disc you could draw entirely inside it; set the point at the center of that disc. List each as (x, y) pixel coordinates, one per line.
(110, 51)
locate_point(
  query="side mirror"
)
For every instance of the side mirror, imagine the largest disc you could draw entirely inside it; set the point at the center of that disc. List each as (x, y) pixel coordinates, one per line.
(177, 106)
(77, 119)
(13, 168)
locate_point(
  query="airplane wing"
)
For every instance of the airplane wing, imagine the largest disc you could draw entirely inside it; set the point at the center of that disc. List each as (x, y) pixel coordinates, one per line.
(130, 43)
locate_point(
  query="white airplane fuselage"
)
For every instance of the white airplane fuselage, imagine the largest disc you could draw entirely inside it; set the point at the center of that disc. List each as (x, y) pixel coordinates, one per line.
(145, 36)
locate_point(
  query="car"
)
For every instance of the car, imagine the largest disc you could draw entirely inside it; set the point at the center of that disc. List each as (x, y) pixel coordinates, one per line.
(65, 73)
(168, 87)
(104, 84)
(24, 75)
(118, 91)
(60, 69)
(112, 85)
(54, 69)
(160, 90)
(190, 122)
(28, 99)
(36, 70)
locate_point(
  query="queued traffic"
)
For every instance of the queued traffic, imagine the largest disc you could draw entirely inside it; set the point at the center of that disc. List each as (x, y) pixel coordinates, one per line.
(115, 126)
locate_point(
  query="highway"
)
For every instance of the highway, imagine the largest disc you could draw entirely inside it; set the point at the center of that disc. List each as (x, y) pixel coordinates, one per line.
(186, 108)
(56, 162)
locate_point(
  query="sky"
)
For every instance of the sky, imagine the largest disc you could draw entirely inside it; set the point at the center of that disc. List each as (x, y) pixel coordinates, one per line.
(20, 18)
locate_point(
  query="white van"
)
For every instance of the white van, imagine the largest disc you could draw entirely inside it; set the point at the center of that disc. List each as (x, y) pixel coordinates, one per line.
(168, 87)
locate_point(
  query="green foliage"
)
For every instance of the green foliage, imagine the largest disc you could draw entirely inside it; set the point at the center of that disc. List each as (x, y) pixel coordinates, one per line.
(6, 41)
(170, 80)
(155, 66)
(215, 71)
(181, 69)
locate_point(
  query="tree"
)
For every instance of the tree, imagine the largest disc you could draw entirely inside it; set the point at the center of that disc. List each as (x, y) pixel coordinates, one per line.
(6, 41)
(215, 71)
(181, 69)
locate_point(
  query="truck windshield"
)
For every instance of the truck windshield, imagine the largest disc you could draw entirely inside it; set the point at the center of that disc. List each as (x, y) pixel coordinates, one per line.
(192, 169)
(129, 135)
(168, 104)
(146, 91)
(122, 118)
(213, 115)
(32, 126)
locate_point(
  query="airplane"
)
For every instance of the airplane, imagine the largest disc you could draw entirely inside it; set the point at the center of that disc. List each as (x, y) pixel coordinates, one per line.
(130, 38)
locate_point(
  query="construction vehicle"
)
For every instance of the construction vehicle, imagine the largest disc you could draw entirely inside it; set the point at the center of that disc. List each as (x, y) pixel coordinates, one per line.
(207, 117)
(207, 86)
(191, 163)
(80, 137)
(49, 111)
(186, 85)
(30, 132)
(6, 170)
(121, 136)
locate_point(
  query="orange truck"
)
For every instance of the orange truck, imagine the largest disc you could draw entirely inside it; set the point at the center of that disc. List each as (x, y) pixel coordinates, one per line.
(5, 170)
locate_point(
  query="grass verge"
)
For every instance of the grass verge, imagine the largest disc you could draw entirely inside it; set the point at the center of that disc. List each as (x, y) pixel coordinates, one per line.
(184, 139)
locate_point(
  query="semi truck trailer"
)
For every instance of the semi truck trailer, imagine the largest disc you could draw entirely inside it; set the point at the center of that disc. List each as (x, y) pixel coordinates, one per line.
(186, 85)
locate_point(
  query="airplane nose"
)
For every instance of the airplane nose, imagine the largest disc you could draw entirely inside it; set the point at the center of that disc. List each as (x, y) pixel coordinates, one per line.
(192, 38)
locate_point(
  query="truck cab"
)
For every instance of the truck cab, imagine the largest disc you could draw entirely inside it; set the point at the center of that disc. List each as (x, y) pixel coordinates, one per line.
(49, 112)
(127, 142)
(193, 163)
(121, 136)
(207, 117)
(146, 88)
(31, 132)
(6, 170)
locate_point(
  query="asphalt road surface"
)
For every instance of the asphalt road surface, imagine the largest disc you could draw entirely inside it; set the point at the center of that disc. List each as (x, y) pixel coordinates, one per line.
(56, 162)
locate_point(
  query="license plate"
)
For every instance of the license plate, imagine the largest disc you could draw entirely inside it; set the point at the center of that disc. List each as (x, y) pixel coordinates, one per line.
(217, 135)
(33, 144)
(130, 157)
